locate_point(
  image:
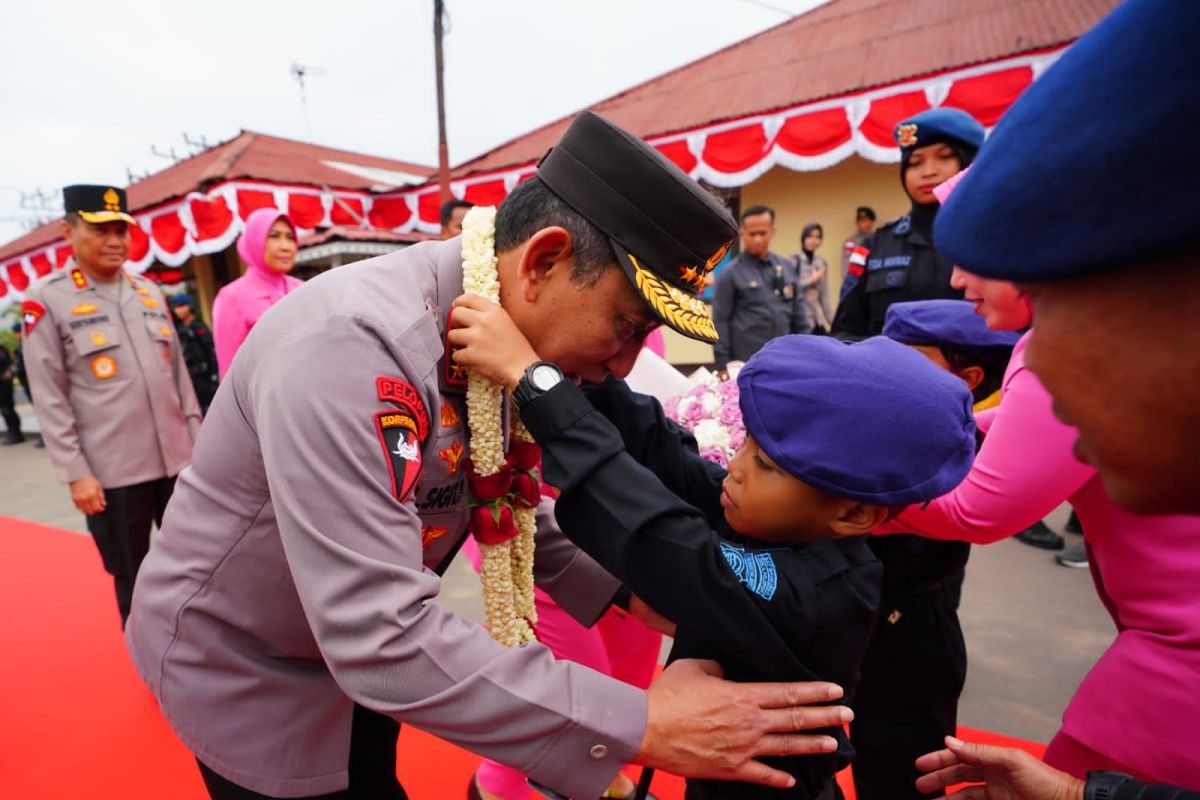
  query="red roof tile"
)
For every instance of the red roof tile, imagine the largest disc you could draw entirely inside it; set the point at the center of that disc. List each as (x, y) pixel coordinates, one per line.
(840, 47)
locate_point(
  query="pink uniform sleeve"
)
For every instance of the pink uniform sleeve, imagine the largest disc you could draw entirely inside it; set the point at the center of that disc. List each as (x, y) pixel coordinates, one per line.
(229, 330)
(1025, 469)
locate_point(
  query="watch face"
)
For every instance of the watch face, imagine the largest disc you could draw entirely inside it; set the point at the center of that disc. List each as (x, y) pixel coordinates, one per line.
(544, 377)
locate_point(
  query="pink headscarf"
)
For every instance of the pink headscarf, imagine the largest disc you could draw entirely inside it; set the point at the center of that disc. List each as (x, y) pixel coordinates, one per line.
(239, 304)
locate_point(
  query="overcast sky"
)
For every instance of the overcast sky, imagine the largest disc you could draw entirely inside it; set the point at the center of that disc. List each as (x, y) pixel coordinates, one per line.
(87, 88)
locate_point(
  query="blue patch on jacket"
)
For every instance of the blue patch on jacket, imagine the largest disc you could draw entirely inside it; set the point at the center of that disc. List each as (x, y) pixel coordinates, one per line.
(756, 570)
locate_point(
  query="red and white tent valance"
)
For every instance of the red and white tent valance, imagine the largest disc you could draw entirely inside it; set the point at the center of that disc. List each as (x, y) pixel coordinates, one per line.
(732, 153)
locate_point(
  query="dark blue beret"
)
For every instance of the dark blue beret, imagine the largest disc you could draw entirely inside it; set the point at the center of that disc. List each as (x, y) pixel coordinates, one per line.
(182, 299)
(1093, 166)
(873, 421)
(953, 323)
(949, 125)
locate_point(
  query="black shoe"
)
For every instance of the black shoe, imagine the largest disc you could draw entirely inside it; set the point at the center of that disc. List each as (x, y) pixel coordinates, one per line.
(40, 444)
(13, 439)
(1038, 535)
(1073, 525)
(1074, 556)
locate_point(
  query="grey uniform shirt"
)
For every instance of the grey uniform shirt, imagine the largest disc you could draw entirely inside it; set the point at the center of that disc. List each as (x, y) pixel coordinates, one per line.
(754, 301)
(111, 391)
(295, 567)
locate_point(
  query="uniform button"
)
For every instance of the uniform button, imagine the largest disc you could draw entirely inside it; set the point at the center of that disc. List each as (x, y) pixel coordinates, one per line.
(598, 751)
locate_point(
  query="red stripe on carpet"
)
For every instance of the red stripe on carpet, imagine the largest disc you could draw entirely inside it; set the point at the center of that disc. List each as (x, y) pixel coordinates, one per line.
(79, 723)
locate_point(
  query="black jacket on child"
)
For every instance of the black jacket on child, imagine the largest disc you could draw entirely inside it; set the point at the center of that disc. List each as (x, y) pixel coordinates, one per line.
(637, 497)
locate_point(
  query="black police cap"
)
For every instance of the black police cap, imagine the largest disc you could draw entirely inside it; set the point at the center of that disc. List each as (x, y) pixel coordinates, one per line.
(97, 204)
(667, 231)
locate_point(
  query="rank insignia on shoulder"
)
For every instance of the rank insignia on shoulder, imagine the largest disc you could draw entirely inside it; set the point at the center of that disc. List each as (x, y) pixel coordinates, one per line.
(430, 534)
(456, 374)
(149, 302)
(450, 416)
(399, 436)
(103, 367)
(31, 312)
(402, 393)
(78, 278)
(84, 309)
(452, 455)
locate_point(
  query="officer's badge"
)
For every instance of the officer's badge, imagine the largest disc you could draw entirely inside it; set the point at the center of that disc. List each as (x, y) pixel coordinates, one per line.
(430, 534)
(452, 455)
(716, 257)
(142, 290)
(894, 617)
(906, 135)
(84, 309)
(149, 302)
(450, 416)
(103, 367)
(31, 312)
(112, 200)
(694, 278)
(78, 278)
(99, 339)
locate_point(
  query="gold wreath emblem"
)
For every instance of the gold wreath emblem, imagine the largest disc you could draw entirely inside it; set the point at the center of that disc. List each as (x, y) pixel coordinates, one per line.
(906, 135)
(112, 200)
(681, 311)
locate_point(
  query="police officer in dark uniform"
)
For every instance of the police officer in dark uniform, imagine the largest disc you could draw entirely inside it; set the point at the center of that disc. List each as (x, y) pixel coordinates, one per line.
(12, 421)
(198, 350)
(757, 296)
(898, 261)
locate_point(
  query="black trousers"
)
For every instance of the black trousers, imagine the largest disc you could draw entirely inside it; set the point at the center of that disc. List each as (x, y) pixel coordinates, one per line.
(12, 420)
(372, 765)
(907, 698)
(122, 532)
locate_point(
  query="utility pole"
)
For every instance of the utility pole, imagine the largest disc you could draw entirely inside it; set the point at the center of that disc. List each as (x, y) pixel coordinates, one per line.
(443, 152)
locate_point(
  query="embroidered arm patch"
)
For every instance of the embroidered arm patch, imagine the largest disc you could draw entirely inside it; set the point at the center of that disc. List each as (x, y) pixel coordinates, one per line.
(402, 431)
(31, 312)
(755, 570)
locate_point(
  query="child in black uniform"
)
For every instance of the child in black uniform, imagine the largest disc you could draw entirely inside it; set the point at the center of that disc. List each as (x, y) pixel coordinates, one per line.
(764, 568)
(907, 700)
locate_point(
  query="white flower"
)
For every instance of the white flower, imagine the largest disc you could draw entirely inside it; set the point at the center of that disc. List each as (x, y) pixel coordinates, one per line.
(710, 433)
(711, 403)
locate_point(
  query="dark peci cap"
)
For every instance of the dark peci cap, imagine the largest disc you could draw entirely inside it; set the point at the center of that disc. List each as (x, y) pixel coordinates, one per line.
(97, 204)
(865, 212)
(953, 323)
(872, 421)
(1092, 167)
(667, 231)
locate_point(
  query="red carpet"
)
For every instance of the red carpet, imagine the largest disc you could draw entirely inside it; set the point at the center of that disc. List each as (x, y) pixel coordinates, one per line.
(79, 723)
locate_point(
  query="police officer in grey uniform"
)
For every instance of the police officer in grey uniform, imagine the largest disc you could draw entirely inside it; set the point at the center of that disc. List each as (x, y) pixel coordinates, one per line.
(758, 295)
(285, 609)
(110, 389)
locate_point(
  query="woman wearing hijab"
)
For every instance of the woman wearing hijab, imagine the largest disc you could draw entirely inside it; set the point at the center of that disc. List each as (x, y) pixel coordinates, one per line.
(268, 248)
(814, 277)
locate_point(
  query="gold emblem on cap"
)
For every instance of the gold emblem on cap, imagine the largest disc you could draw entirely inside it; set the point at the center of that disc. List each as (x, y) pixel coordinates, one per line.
(681, 311)
(112, 200)
(716, 257)
(906, 135)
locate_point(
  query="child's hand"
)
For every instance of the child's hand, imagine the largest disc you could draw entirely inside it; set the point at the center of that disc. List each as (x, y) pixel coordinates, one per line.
(488, 342)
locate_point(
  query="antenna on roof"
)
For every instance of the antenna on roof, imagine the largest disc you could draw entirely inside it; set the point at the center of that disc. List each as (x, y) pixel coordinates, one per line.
(770, 7)
(171, 154)
(198, 145)
(42, 206)
(134, 177)
(300, 72)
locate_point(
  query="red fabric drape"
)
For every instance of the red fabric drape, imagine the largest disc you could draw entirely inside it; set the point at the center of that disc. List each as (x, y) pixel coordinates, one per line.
(305, 210)
(168, 232)
(250, 200)
(389, 212)
(212, 218)
(486, 193)
(737, 149)
(41, 264)
(429, 208)
(885, 112)
(139, 243)
(987, 97)
(679, 153)
(17, 276)
(815, 133)
(61, 254)
(340, 216)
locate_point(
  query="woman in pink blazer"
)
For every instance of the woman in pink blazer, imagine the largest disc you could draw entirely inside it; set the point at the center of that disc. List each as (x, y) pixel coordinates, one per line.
(268, 248)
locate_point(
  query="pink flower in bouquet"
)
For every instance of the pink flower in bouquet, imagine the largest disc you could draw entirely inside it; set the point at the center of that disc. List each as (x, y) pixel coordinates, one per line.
(671, 407)
(729, 390)
(716, 456)
(694, 413)
(731, 412)
(737, 435)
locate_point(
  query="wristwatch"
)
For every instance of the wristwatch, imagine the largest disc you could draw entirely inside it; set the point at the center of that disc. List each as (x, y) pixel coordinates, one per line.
(539, 378)
(1104, 785)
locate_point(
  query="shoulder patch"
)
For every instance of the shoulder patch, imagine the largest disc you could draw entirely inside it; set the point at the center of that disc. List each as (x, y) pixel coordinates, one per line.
(398, 435)
(31, 312)
(402, 393)
(756, 570)
(78, 278)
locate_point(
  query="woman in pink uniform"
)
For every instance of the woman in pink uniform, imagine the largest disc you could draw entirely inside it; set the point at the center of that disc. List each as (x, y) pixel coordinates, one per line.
(268, 247)
(1138, 709)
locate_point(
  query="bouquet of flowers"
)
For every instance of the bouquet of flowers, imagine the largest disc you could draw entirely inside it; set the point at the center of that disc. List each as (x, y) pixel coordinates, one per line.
(711, 412)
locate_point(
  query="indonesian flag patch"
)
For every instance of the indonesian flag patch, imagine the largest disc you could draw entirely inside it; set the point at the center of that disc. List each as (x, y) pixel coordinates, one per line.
(858, 261)
(402, 431)
(31, 312)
